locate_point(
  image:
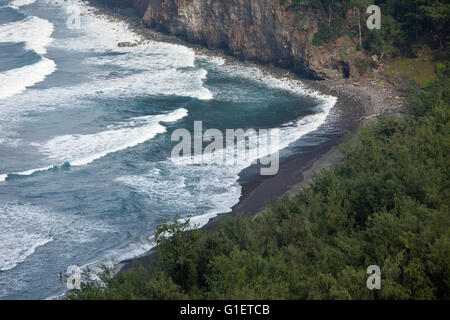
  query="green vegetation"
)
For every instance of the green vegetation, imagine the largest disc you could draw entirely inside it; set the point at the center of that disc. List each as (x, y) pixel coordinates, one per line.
(440, 68)
(326, 34)
(404, 23)
(418, 70)
(362, 65)
(424, 69)
(387, 203)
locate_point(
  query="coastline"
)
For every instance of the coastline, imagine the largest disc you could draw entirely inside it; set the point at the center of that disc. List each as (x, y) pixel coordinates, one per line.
(358, 103)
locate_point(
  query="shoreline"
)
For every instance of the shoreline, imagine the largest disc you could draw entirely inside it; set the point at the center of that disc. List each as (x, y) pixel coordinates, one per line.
(358, 103)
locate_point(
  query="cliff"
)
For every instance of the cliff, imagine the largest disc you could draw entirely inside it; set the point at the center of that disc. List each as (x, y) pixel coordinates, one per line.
(258, 30)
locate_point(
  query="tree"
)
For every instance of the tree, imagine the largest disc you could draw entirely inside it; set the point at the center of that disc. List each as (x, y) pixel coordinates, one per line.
(359, 5)
(438, 12)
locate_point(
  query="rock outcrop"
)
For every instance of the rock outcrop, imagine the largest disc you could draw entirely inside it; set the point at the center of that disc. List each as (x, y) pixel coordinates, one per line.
(127, 44)
(258, 30)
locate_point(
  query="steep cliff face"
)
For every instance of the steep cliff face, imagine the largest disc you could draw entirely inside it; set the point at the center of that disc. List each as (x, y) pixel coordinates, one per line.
(257, 30)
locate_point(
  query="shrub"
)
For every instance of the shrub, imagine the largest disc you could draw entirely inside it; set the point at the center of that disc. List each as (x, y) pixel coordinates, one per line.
(440, 68)
(326, 34)
(362, 65)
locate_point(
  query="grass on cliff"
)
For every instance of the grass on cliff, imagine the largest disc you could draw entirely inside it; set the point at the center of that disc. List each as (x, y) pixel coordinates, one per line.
(387, 204)
(423, 70)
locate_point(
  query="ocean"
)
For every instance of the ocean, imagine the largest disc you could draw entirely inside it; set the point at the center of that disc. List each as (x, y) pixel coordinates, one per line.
(85, 138)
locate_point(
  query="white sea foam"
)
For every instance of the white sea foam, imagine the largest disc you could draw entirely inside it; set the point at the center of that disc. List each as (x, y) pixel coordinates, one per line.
(100, 33)
(212, 186)
(149, 56)
(156, 82)
(26, 228)
(79, 150)
(36, 33)
(152, 68)
(287, 83)
(133, 250)
(188, 83)
(3, 177)
(21, 235)
(197, 192)
(15, 81)
(21, 3)
(96, 32)
(162, 65)
(289, 132)
(190, 190)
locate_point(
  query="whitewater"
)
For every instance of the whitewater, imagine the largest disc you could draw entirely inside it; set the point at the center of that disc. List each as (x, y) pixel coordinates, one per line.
(85, 127)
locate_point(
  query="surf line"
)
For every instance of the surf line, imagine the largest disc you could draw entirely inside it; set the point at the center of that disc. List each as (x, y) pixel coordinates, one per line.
(36, 33)
(5, 176)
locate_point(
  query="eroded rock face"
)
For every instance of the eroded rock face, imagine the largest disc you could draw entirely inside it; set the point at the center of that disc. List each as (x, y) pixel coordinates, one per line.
(257, 30)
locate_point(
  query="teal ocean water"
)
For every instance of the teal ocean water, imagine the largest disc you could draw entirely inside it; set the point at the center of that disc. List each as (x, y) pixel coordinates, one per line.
(85, 127)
